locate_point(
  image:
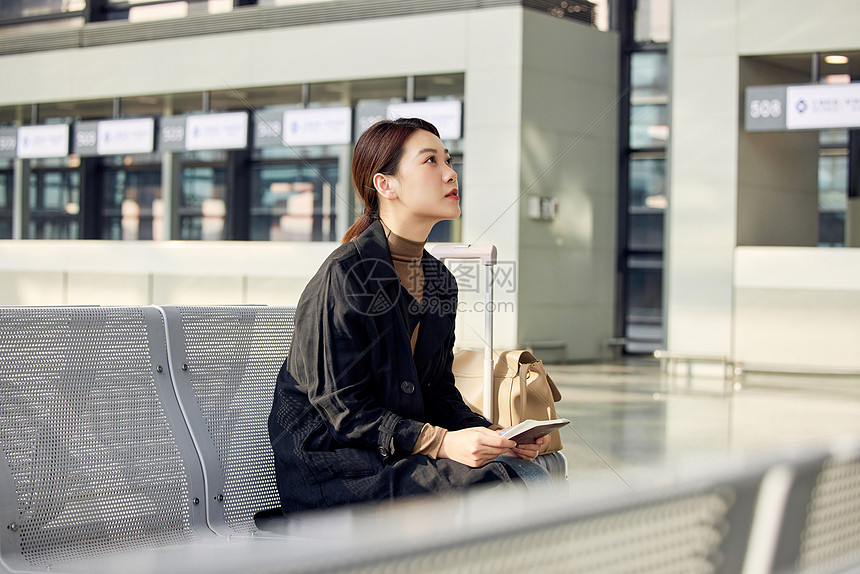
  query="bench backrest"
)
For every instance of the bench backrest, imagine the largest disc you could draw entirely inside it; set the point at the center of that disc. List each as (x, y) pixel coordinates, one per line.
(224, 361)
(96, 459)
(820, 528)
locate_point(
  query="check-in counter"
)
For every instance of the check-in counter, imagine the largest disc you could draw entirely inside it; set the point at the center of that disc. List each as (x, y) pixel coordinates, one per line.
(797, 309)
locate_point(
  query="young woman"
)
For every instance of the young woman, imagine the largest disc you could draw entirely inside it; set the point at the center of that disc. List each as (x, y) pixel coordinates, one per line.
(365, 405)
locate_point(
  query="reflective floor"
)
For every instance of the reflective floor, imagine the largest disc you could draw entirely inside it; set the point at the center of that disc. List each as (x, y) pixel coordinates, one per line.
(630, 417)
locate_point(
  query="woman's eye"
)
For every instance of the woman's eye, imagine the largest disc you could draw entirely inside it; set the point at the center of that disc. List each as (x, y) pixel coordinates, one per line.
(431, 159)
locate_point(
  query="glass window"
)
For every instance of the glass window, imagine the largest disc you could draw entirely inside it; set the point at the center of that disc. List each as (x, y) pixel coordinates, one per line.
(832, 197)
(649, 78)
(833, 137)
(257, 98)
(646, 230)
(647, 202)
(330, 93)
(20, 9)
(647, 197)
(643, 331)
(648, 181)
(649, 126)
(439, 86)
(131, 203)
(379, 89)
(203, 202)
(55, 204)
(652, 21)
(294, 202)
(5, 203)
(649, 98)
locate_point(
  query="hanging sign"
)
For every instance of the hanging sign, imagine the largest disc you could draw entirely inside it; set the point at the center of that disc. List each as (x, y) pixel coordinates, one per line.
(446, 115)
(318, 126)
(765, 108)
(268, 128)
(822, 106)
(43, 141)
(8, 142)
(85, 139)
(171, 133)
(216, 131)
(117, 137)
(803, 107)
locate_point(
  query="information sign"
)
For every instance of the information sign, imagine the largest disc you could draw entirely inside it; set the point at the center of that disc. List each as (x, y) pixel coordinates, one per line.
(318, 126)
(446, 115)
(43, 141)
(117, 137)
(216, 131)
(823, 106)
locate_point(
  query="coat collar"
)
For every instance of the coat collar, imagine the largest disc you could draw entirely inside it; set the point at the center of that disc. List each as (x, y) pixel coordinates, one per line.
(372, 247)
(440, 290)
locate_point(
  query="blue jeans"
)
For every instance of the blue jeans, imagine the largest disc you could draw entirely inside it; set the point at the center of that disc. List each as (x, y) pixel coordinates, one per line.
(531, 473)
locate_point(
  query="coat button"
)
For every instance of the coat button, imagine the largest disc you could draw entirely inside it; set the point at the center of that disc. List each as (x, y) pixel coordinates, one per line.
(382, 451)
(407, 387)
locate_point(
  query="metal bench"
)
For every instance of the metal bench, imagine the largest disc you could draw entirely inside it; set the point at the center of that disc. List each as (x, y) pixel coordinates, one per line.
(224, 361)
(106, 470)
(820, 520)
(97, 459)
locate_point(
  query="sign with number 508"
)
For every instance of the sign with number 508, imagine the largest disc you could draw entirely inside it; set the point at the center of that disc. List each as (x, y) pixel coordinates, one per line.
(765, 108)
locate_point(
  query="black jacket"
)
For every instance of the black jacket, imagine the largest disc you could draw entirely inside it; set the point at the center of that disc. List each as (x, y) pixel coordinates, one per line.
(351, 399)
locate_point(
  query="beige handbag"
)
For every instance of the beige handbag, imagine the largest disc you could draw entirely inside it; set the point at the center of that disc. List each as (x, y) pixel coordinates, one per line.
(522, 389)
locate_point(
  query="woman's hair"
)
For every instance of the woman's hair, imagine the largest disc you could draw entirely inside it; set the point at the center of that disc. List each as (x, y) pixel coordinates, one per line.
(379, 150)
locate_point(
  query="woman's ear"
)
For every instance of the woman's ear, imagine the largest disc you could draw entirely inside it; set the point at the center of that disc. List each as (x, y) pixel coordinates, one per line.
(383, 185)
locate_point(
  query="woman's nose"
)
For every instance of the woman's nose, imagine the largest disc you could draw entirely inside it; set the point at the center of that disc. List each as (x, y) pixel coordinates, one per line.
(451, 175)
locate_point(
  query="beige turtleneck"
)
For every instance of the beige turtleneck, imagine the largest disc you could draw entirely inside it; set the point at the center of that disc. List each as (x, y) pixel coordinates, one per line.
(406, 256)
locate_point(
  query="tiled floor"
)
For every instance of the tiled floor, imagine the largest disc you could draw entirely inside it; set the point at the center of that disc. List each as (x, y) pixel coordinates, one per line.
(630, 417)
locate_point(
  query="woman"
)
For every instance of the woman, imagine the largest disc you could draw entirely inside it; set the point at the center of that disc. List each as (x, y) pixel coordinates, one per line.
(365, 405)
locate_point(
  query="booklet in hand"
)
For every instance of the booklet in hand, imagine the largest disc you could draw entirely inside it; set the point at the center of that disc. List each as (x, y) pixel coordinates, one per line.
(527, 431)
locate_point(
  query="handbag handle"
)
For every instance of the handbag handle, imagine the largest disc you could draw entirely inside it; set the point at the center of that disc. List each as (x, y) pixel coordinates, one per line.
(515, 359)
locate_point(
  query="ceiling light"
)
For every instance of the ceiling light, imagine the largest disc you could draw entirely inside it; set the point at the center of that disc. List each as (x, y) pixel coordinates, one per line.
(835, 59)
(837, 79)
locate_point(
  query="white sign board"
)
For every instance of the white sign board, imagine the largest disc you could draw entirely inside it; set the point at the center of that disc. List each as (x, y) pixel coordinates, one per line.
(216, 131)
(117, 137)
(822, 106)
(318, 126)
(446, 115)
(43, 141)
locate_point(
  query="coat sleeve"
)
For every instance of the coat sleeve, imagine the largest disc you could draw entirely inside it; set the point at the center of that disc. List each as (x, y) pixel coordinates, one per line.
(337, 349)
(445, 406)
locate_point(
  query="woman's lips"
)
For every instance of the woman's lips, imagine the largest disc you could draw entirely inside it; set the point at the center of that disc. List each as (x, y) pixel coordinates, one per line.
(454, 193)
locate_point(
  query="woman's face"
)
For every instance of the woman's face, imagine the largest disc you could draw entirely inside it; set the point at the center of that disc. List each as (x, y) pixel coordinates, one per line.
(425, 183)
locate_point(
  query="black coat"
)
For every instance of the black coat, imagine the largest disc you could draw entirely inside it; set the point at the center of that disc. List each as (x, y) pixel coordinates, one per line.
(351, 399)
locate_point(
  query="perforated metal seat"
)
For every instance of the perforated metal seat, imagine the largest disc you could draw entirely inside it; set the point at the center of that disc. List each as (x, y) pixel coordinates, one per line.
(224, 362)
(686, 529)
(820, 529)
(96, 458)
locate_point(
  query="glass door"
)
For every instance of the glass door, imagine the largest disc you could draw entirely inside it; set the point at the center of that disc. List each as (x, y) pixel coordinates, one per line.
(55, 203)
(294, 201)
(131, 202)
(5, 202)
(203, 199)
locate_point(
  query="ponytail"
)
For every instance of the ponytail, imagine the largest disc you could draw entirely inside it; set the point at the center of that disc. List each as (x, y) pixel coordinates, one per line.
(357, 228)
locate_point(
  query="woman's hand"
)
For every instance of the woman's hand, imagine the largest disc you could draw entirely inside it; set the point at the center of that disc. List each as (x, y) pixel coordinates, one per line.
(528, 451)
(474, 446)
